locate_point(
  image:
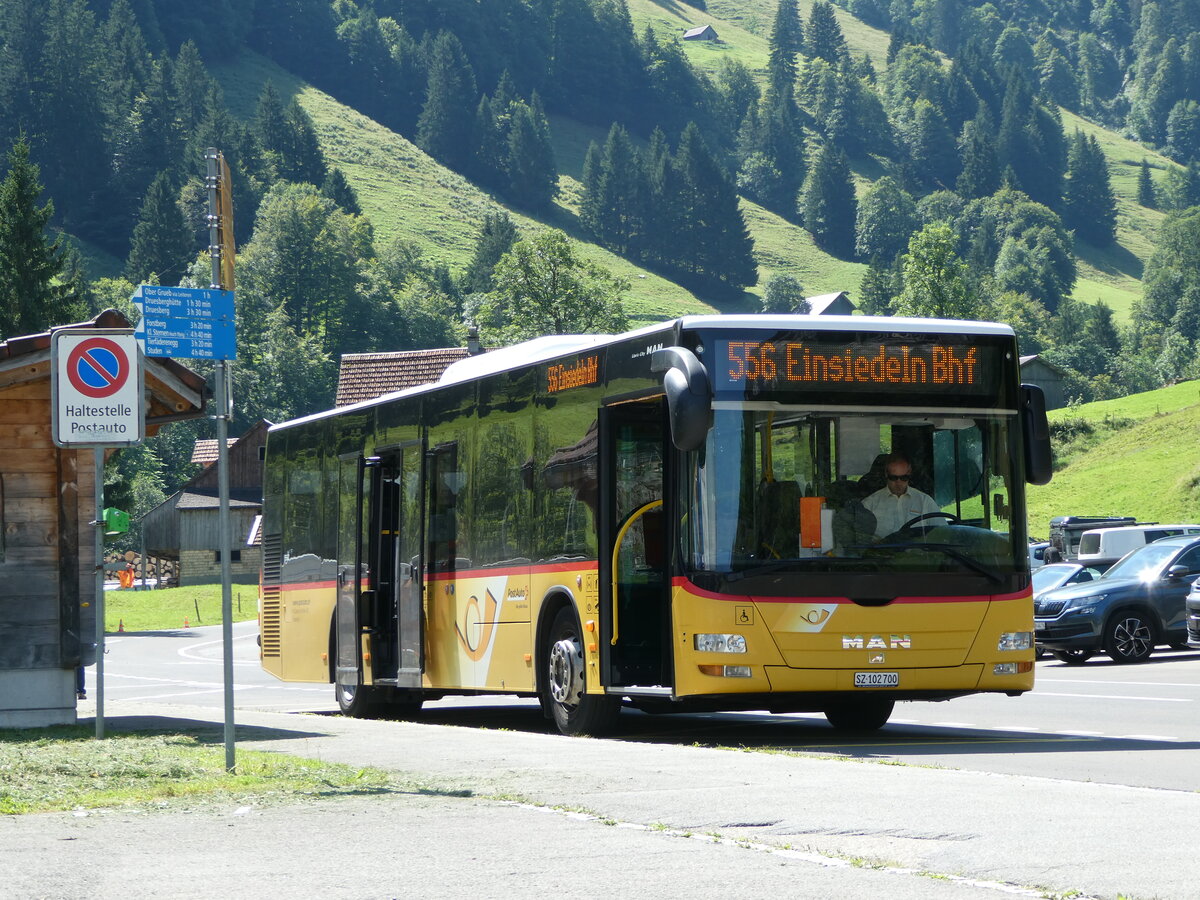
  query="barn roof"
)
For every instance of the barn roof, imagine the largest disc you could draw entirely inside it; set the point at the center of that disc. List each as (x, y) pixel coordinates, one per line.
(365, 376)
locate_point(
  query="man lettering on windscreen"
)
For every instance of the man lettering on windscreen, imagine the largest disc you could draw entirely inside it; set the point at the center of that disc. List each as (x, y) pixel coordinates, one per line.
(897, 503)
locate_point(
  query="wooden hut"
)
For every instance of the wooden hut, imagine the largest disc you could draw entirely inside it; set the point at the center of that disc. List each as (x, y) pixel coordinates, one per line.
(47, 542)
(186, 526)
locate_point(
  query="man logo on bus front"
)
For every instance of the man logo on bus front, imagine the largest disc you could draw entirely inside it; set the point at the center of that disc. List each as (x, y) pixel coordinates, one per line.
(877, 642)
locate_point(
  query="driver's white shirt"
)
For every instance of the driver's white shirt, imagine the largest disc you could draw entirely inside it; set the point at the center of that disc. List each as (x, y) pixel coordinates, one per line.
(891, 512)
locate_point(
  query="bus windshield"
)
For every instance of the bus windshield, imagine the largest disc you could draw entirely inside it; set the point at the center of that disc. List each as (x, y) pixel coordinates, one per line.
(781, 490)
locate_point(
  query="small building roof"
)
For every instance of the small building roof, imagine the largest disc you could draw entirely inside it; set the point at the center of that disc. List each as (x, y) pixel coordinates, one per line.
(204, 452)
(365, 376)
(704, 31)
(836, 303)
(1037, 358)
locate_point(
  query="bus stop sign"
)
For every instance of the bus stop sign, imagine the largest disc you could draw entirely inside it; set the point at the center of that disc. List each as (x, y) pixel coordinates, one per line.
(96, 380)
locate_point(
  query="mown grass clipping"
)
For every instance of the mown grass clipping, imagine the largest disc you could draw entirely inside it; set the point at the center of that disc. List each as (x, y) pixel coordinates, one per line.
(66, 769)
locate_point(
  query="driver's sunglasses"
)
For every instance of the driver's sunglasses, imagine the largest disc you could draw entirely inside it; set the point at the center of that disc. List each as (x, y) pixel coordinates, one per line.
(899, 477)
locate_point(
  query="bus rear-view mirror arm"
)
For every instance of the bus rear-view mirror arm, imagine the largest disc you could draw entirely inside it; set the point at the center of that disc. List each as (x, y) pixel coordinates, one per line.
(689, 395)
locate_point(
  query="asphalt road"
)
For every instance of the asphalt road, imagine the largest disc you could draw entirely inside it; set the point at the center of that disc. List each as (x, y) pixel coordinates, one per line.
(1079, 789)
(1133, 725)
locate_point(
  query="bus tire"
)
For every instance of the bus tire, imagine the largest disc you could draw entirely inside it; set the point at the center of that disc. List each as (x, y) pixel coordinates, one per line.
(359, 702)
(573, 709)
(862, 714)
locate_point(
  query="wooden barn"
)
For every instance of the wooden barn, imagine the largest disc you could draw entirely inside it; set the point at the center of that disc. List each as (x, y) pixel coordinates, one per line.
(47, 542)
(185, 526)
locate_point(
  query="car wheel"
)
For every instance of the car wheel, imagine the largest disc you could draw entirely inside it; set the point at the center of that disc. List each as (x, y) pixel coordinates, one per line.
(1129, 637)
(860, 715)
(1073, 657)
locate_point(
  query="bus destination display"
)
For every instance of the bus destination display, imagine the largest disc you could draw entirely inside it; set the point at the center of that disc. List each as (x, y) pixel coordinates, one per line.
(953, 366)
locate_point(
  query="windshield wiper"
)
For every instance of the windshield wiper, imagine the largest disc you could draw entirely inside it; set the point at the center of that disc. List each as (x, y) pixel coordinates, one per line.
(949, 550)
(765, 568)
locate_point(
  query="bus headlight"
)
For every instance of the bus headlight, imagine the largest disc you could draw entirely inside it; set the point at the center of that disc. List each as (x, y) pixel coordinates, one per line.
(720, 643)
(1016, 640)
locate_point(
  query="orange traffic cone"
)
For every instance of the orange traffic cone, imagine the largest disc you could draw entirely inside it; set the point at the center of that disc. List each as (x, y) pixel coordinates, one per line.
(185, 622)
(120, 626)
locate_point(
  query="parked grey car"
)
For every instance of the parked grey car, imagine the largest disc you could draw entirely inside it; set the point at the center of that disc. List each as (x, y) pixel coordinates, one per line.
(1134, 606)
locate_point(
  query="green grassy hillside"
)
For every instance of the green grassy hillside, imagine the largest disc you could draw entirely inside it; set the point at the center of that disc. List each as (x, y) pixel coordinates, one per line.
(1112, 274)
(1142, 459)
(407, 195)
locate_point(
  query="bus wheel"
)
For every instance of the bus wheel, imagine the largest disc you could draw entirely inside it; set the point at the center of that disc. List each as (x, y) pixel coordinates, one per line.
(574, 711)
(860, 715)
(357, 700)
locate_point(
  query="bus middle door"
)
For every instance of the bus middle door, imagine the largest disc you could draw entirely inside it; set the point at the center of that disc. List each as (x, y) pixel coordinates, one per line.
(634, 562)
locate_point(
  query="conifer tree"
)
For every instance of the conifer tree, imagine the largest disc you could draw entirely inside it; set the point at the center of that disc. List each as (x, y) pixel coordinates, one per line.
(980, 169)
(620, 194)
(1146, 194)
(32, 297)
(444, 126)
(711, 229)
(828, 205)
(496, 237)
(1089, 205)
(303, 160)
(532, 172)
(823, 38)
(270, 127)
(787, 41)
(338, 189)
(162, 242)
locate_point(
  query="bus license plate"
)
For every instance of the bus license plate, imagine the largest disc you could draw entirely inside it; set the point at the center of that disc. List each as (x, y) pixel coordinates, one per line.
(876, 679)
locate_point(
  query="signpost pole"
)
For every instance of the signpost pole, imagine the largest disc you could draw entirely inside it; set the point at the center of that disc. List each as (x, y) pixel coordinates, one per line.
(99, 601)
(213, 160)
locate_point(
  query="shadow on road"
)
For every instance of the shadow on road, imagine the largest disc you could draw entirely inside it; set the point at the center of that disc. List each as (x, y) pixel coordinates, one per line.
(799, 733)
(205, 732)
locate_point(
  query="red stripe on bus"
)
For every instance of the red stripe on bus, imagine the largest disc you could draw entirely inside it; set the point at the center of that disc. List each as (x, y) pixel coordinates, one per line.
(682, 582)
(541, 569)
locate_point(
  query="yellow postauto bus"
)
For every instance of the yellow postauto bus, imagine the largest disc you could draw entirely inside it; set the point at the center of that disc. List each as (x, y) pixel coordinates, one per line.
(677, 518)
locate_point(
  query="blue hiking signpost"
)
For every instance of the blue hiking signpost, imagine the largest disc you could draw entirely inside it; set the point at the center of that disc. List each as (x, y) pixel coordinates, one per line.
(186, 323)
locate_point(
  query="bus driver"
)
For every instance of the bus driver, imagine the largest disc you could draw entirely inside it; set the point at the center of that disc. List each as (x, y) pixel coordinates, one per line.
(897, 503)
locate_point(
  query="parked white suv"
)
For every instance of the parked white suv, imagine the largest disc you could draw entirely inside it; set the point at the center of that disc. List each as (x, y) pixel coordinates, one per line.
(1101, 547)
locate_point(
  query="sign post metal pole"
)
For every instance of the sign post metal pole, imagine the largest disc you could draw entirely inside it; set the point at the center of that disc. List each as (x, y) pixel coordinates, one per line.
(214, 172)
(99, 602)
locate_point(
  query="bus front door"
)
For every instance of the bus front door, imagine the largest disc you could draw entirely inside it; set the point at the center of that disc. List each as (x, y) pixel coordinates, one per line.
(405, 470)
(634, 563)
(348, 671)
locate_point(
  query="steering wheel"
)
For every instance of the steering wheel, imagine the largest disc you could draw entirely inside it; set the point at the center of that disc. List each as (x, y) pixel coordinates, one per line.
(953, 519)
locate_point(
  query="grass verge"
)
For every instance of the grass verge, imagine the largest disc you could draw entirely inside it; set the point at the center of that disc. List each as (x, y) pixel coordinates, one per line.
(169, 608)
(64, 768)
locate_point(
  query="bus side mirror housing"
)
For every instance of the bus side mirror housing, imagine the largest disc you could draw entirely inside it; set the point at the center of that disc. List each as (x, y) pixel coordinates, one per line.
(689, 395)
(1035, 434)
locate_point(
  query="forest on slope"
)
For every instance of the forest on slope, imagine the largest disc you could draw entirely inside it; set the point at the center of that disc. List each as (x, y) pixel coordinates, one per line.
(394, 161)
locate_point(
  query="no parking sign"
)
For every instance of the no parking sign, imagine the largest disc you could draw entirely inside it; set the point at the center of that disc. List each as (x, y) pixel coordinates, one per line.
(97, 386)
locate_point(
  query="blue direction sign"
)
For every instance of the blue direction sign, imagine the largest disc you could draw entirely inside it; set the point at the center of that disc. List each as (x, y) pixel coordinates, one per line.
(186, 323)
